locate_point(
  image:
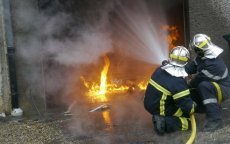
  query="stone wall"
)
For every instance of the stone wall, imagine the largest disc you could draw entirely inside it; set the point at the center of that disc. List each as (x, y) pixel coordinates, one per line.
(211, 17)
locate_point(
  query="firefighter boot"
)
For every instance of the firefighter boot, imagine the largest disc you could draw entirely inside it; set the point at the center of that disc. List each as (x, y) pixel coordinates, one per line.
(159, 124)
(211, 126)
(214, 118)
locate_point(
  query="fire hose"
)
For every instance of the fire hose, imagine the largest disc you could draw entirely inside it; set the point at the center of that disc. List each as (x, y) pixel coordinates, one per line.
(193, 134)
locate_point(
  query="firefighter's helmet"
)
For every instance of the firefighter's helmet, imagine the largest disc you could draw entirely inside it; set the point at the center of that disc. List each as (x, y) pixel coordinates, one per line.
(179, 56)
(200, 43)
(203, 46)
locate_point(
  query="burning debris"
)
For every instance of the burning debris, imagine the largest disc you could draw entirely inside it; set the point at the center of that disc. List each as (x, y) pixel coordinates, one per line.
(103, 107)
(97, 92)
(68, 112)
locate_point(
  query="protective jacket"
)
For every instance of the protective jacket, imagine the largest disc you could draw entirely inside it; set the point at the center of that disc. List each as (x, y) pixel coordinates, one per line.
(169, 96)
(207, 69)
(210, 70)
(211, 83)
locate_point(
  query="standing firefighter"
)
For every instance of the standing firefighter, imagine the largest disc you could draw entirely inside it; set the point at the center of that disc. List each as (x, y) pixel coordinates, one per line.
(167, 95)
(211, 82)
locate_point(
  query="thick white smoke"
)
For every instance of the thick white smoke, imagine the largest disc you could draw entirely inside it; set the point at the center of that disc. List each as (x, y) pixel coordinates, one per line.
(86, 45)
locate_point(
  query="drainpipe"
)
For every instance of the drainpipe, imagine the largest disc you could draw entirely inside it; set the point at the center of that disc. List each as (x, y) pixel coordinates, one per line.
(186, 22)
(16, 111)
(227, 38)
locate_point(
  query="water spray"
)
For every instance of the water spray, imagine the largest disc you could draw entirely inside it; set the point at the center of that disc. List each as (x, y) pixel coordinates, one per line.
(141, 35)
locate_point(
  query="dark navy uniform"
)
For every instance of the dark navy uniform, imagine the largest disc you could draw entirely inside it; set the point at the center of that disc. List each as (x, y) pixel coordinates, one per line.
(169, 96)
(211, 83)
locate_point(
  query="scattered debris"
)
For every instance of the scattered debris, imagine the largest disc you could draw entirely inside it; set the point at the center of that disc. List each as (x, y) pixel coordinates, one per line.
(101, 108)
(68, 112)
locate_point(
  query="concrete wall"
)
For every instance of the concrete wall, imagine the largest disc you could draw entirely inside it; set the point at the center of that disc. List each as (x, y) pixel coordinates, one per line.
(5, 97)
(211, 17)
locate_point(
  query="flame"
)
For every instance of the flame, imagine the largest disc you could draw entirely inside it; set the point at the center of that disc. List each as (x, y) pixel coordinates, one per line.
(97, 91)
(103, 83)
(142, 85)
(173, 35)
(100, 94)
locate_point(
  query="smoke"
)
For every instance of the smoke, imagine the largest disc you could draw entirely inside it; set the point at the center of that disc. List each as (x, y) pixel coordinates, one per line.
(84, 51)
(127, 122)
(53, 44)
(47, 35)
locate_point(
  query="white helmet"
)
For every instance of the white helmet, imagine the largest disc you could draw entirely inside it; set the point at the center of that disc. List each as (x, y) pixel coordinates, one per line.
(203, 46)
(179, 56)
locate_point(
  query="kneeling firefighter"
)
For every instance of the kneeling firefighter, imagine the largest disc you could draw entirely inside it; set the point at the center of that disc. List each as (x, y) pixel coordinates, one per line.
(211, 82)
(167, 96)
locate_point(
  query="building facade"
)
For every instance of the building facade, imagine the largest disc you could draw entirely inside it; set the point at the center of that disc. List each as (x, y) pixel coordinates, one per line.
(211, 17)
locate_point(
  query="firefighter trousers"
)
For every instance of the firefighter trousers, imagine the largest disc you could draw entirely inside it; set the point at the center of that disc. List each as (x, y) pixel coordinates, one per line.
(174, 123)
(205, 95)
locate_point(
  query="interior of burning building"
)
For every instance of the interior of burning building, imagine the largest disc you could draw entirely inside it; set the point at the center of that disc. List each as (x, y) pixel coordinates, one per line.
(86, 63)
(140, 35)
(93, 58)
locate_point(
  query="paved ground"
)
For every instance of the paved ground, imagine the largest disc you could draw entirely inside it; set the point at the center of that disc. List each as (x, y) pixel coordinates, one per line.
(123, 123)
(58, 131)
